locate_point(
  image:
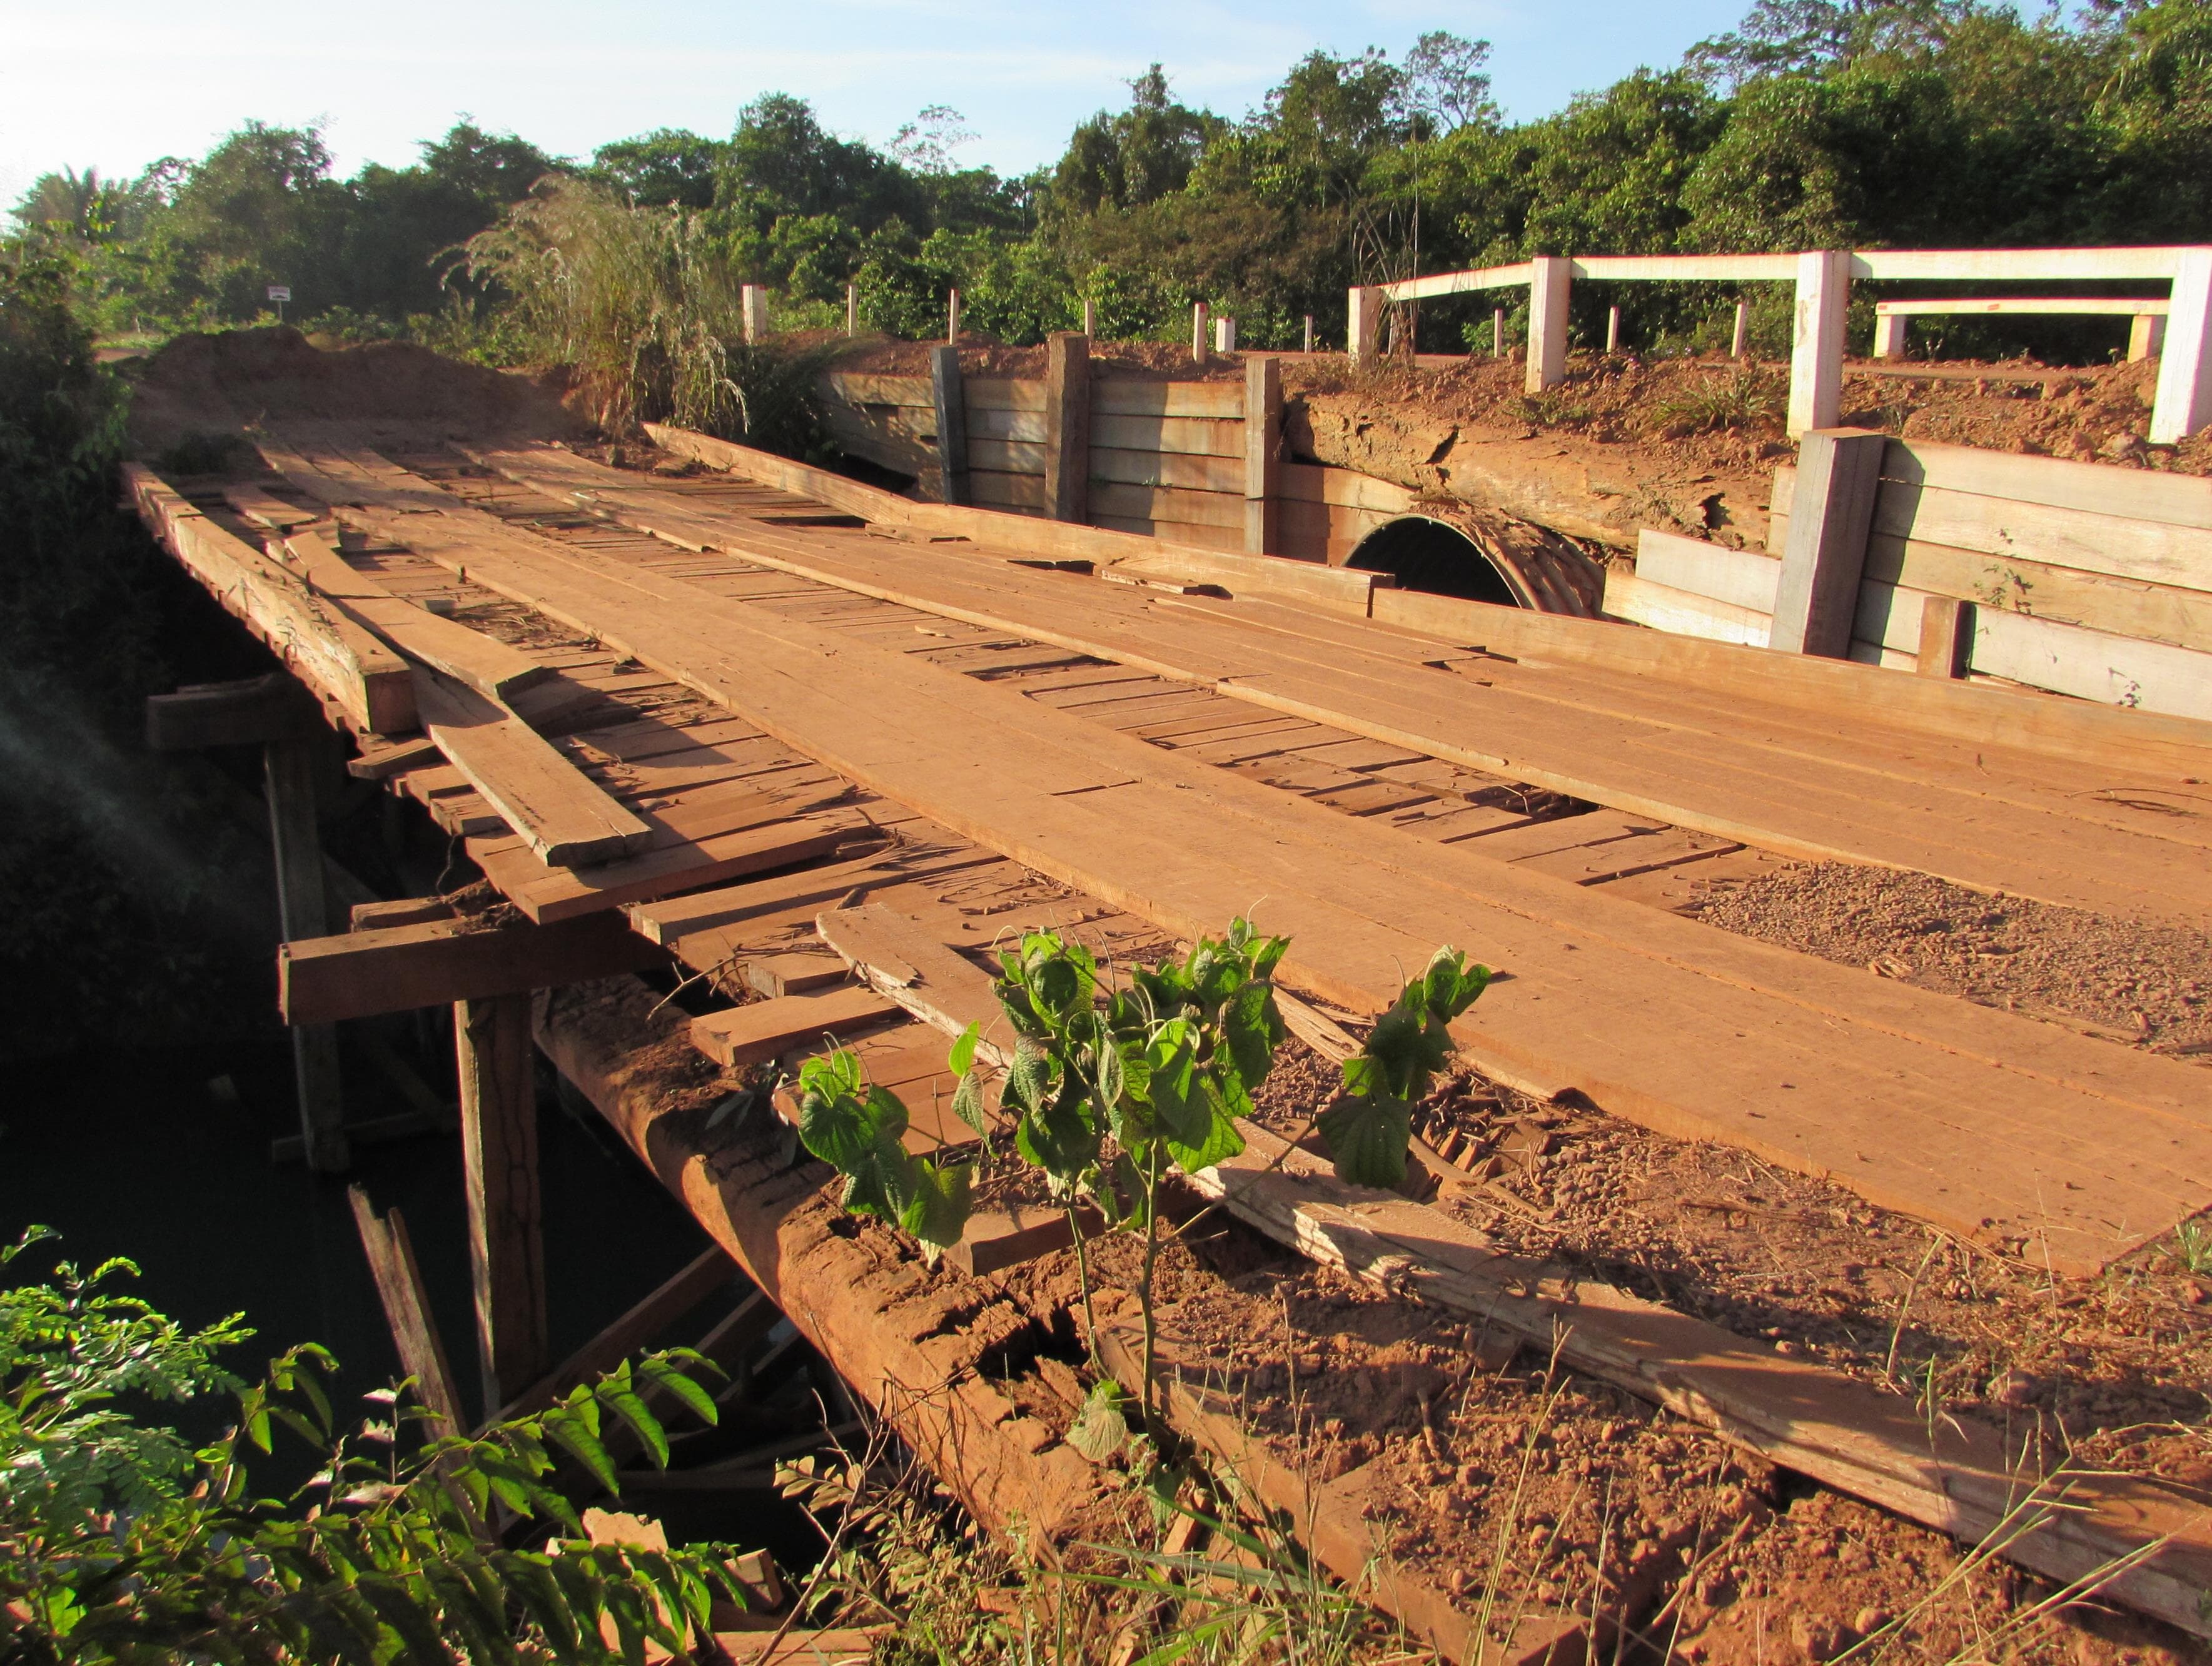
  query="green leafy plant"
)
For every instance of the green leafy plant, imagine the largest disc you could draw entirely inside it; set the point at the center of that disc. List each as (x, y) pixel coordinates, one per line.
(1748, 398)
(120, 1543)
(1113, 1087)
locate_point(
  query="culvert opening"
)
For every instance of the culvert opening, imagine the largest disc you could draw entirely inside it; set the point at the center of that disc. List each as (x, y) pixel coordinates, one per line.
(1433, 555)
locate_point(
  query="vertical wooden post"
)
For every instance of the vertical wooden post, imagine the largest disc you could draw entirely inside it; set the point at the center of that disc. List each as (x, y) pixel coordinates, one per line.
(2146, 337)
(1612, 330)
(1497, 332)
(852, 309)
(1831, 513)
(952, 317)
(1308, 332)
(2184, 367)
(1263, 451)
(1198, 344)
(1947, 629)
(950, 398)
(1090, 318)
(499, 1165)
(1888, 334)
(1224, 335)
(753, 303)
(1741, 341)
(1549, 280)
(407, 1309)
(303, 910)
(1363, 323)
(1067, 426)
(1816, 354)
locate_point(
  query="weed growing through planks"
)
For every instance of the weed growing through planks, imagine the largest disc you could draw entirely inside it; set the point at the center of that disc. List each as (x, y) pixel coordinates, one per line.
(1112, 1088)
(2192, 1247)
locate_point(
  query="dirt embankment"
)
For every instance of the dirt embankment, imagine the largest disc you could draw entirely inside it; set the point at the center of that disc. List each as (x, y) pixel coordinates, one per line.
(203, 387)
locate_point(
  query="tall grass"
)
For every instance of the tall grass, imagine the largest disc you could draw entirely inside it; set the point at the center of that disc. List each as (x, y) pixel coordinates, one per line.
(642, 306)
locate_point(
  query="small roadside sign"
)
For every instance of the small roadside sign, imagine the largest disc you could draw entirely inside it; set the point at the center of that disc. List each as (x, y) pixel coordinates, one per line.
(279, 292)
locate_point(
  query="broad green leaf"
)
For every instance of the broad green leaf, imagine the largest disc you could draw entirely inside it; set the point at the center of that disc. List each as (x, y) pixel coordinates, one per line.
(1253, 1027)
(936, 1211)
(962, 1057)
(1059, 1139)
(583, 1444)
(624, 1401)
(1176, 1100)
(1101, 1425)
(968, 1103)
(1367, 1134)
(1220, 1142)
(666, 1376)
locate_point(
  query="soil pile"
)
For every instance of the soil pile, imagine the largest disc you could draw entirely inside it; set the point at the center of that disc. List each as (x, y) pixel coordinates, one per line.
(203, 387)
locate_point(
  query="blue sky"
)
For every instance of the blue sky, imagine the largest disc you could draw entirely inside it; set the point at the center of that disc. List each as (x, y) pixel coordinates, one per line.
(137, 80)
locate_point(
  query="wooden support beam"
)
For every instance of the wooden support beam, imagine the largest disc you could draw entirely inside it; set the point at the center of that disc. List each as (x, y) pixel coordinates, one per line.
(1816, 354)
(1224, 335)
(1550, 280)
(1839, 472)
(1263, 452)
(1067, 426)
(1946, 630)
(498, 1159)
(2184, 404)
(948, 393)
(2146, 337)
(1198, 345)
(407, 1309)
(553, 807)
(675, 1296)
(433, 963)
(752, 303)
(303, 910)
(1740, 338)
(1888, 334)
(249, 712)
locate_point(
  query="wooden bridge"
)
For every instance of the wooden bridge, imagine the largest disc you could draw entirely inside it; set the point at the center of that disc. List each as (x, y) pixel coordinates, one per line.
(691, 721)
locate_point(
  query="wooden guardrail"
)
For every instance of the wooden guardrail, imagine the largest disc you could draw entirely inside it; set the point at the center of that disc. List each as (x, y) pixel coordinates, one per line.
(1177, 460)
(1823, 278)
(2079, 578)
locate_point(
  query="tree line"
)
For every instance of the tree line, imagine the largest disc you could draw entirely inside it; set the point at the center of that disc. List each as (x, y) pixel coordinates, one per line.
(1814, 123)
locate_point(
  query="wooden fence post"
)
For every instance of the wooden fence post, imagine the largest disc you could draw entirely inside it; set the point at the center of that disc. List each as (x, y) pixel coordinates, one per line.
(1550, 278)
(1741, 338)
(753, 304)
(1263, 451)
(1308, 332)
(952, 317)
(1946, 630)
(1831, 513)
(1497, 332)
(1612, 330)
(407, 1310)
(1888, 334)
(499, 1165)
(1090, 318)
(852, 309)
(1198, 345)
(1363, 323)
(1067, 426)
(1224, 335)
(2146, 337)
(2184, 368)
(303, 910)
(950, 398)
(1816, 354)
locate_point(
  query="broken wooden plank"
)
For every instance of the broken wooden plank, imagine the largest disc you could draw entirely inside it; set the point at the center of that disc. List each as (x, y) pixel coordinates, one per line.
(433, 962)
(768, 1028)
(566, 820)
(407, 1309)
(902, 961)
(680, 864)
(484, 663)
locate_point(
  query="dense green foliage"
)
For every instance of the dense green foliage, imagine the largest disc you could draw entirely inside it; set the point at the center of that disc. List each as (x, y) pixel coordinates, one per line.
(121, 1543)
(1816, 124)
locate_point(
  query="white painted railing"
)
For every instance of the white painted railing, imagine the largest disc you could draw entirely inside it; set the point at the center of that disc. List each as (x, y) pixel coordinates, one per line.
(1823, 278)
